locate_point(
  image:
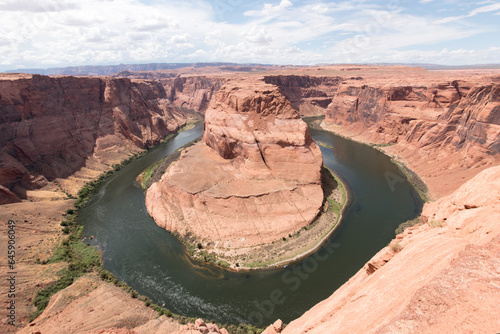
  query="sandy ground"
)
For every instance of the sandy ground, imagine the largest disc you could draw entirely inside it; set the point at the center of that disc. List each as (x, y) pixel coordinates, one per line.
(38, 233)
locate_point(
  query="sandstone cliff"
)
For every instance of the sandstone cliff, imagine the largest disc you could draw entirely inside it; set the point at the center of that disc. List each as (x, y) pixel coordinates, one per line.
(192, 92)
(445, 279)
(451, 114)
(51, 126)
(439, 277)
(310, 95)
(454, 125)
(187, 91)
(255, 178)
(90, 306)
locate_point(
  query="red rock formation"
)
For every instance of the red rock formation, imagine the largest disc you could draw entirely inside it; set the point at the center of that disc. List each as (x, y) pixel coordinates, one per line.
(91, 306)
(456, 125)
(448, 114)
(50, 126)
(444, 279)
(255, 177)
(192, 92)
(309, 95)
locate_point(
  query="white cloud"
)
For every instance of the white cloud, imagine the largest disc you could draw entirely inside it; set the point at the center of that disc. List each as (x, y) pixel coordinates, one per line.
(109, 32)
(258, 36)
(270, 10)
(73, 20)
(446, 57)
(38, 6)
(485, 9)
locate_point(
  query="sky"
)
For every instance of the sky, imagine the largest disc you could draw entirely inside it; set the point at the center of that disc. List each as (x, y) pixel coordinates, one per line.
(59, 33)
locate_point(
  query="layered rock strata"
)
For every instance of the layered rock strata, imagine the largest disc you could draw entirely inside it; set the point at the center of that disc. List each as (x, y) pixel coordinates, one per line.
(444, 131)
(255, 178)
(194, 92)
(452, 114)
(51, 126)
(310, 95)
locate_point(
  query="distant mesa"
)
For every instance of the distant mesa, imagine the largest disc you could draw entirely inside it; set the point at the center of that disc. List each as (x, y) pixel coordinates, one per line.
(124, 68)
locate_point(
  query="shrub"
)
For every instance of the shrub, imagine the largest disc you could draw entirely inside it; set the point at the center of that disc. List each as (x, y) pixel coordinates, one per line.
(395, 246)
(436, 223)
(107, 276)
(409, 223)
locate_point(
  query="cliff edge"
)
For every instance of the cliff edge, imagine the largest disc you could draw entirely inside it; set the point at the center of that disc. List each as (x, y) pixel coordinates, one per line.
(446, 131)
(442, 276)
(58, 132)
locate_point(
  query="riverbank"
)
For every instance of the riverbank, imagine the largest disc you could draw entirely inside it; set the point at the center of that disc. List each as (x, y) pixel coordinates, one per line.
(435, 172)
(448, 284)
(415, 180)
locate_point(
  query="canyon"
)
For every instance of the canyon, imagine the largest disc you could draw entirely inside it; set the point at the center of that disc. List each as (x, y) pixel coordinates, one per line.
(440, 275)
(57, 130)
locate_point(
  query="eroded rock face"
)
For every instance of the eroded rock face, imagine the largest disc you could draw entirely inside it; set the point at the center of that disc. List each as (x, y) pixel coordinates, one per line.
(255, 178)
(50, 126)
(310, 95)
(446, 131)
(450, 114)
(192, 92)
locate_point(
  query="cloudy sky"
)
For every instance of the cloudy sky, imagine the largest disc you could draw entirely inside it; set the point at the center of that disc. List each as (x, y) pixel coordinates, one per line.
(53, 33)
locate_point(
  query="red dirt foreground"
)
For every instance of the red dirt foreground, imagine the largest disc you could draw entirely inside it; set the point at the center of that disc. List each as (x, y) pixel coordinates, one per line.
(254, 179)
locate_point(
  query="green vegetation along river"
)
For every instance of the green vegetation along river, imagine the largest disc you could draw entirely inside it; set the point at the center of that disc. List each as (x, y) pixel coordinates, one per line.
(155, 264)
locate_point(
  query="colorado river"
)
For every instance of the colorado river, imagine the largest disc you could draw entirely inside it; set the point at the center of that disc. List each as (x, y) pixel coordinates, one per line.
(153, 263)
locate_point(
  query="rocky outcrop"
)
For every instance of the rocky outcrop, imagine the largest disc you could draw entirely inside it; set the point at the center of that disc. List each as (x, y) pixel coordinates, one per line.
(453, 125)
(310, 95)
(192, 92)
(51, 126)
(443, 276)
(452, 114)
(477, 120)
(255, 178)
